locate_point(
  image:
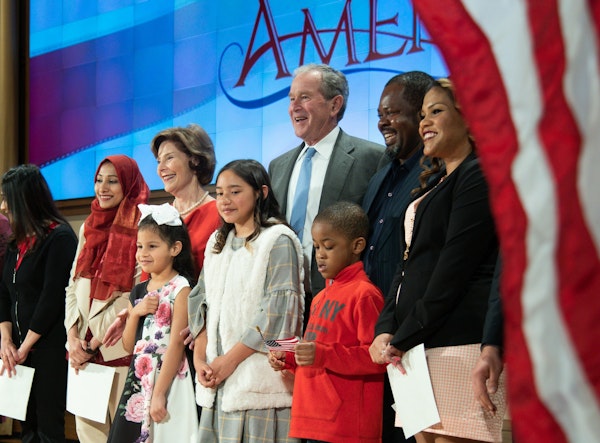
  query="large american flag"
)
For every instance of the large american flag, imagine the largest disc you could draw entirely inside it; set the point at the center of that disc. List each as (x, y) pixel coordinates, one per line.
(527, 76)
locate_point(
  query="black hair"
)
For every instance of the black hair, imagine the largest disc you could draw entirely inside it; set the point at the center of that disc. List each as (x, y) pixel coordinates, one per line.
(415, 86)
(434, 168)
(183, 262)
(347, 218)
(30, 204)
(266, 209)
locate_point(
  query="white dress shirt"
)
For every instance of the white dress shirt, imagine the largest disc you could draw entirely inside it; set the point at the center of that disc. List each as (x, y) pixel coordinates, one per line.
(320, 162)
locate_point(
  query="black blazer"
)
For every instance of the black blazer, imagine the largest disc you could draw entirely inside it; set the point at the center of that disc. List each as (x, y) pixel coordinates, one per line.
(33, 297)
(352, 164)
(447, 276)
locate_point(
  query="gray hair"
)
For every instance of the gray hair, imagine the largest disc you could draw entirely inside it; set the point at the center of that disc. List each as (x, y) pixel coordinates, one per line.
(333, 82)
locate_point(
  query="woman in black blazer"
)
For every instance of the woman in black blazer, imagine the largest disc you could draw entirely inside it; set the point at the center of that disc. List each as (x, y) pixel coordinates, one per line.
(440, 291)
(32, 299)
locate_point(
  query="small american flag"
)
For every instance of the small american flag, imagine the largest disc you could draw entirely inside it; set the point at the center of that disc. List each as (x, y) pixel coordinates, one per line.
(283, 344)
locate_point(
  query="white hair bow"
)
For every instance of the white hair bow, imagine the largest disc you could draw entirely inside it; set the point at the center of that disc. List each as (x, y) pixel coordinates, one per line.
(164, 214)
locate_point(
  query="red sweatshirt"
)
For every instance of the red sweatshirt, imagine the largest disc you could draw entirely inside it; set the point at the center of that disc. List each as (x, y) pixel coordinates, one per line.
(339, 397)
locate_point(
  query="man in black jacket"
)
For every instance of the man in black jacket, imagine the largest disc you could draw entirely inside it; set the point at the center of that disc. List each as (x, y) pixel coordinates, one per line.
(389, 193)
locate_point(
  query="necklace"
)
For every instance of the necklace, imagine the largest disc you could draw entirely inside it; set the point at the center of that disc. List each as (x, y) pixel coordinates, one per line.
(412, 212)
(194, 206)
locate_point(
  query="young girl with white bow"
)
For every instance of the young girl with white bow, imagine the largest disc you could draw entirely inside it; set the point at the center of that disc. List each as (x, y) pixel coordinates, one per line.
(158, 400)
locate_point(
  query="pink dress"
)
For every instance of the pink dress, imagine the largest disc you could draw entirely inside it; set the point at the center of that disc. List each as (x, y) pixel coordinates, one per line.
(133, 422)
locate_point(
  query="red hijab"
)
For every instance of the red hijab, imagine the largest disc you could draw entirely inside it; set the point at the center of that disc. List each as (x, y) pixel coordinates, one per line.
(108, 255)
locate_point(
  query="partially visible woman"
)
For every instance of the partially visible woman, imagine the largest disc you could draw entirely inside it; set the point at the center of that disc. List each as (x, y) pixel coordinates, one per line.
(186, 164)
(442, 288)
(32, 298)
(103, 274)
(5, 233)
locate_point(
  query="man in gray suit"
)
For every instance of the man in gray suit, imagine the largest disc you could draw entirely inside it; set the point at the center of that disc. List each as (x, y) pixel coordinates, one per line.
(341, 166)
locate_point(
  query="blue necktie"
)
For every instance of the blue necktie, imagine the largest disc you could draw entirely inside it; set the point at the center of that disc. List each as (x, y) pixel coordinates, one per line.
(301, 196)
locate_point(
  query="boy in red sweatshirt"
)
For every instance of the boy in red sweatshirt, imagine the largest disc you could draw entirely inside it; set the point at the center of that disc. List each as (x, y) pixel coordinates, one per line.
(338, 390)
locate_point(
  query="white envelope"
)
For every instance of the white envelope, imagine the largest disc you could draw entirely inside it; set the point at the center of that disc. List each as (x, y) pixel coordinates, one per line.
(93, 382)
(14, 392)
(415, 404)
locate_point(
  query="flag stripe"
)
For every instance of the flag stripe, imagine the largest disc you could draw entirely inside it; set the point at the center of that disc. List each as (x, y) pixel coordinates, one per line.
(468, 52)
(475, 73)
(584, 69)
(581, 264)
(527, 78)
(532, 177)
(552, 329)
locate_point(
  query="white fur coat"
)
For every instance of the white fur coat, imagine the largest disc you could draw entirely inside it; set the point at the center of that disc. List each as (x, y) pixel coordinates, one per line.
(234, 285)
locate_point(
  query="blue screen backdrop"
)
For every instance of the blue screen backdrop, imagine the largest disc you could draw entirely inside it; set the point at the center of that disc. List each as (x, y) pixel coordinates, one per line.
(105, 76)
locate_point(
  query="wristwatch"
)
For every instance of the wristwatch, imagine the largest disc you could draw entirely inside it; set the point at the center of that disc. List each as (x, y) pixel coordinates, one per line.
(91, 351)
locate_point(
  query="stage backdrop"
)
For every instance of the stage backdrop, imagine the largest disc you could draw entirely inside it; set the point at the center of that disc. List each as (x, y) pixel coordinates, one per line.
(107, 75)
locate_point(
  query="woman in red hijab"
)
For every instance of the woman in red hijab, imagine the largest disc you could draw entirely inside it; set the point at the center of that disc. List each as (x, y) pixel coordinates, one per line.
(103, 274)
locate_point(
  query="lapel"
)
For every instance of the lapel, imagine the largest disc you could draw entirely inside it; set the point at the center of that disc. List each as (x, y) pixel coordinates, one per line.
(434, 191)
(468, 162)
(374, 186)
(338, 170)
(98, 306)
(281, 182)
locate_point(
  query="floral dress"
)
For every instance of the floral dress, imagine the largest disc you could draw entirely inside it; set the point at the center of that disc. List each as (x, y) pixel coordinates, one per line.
(133, 422)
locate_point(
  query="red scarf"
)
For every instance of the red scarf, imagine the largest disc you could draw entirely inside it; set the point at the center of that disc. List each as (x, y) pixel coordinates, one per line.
(108, 255)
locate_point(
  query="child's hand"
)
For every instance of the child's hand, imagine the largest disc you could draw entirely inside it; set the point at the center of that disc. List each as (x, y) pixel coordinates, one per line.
(158, 408)
(148, 305)
(305, 353)
(277, 360)
(223, 367)
(204, 373)
(189, 338)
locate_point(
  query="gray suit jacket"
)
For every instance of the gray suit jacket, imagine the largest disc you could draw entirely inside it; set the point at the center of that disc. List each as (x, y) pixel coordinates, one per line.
(352, 164)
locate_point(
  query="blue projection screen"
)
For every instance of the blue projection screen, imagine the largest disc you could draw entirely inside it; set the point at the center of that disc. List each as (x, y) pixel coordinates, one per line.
(106, 75)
